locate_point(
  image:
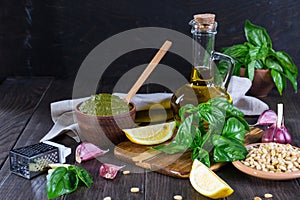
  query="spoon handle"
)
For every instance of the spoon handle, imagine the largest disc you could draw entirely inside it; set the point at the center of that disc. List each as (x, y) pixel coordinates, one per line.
(151, 66)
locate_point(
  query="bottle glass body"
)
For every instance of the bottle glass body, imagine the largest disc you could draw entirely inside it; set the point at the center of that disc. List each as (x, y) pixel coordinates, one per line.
(204, 80)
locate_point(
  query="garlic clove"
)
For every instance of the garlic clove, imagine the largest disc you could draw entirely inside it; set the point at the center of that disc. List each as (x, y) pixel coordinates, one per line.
(87, 151)
(109, 171)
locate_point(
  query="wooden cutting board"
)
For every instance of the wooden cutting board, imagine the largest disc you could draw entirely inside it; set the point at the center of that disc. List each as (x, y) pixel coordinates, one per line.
(176, 165)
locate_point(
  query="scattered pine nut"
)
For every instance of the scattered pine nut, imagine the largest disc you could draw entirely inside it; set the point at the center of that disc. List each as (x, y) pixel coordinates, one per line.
(126, 172)
(134, 189)
(177, 197)
(257, 198)
(107, 198)
(267, 195)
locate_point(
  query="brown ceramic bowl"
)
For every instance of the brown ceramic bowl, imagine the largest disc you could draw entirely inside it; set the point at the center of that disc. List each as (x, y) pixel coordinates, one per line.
(104, 131)
(265, 175)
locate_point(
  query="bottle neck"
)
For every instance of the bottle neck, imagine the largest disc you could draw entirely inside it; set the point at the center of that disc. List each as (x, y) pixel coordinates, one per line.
(203, 47)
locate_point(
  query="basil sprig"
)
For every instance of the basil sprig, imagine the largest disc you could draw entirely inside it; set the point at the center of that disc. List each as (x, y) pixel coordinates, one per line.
(66, 180)
(214, 131)
(257, 53)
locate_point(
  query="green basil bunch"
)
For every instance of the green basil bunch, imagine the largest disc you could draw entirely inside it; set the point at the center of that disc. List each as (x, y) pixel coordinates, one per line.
(214, 130)
(66, 180)
(257, 53)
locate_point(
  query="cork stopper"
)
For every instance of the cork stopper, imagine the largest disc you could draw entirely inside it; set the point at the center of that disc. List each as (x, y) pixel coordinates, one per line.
(206, 18)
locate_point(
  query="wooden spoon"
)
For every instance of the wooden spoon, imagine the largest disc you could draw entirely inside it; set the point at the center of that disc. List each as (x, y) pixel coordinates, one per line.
(151, 66)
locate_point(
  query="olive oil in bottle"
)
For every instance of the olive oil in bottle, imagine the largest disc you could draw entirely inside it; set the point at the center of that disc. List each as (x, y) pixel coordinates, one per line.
(205, 82)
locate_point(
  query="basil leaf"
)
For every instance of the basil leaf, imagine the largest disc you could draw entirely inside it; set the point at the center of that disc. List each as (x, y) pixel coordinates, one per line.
(235, 51)
(202, 155)
(186, 131)
(234, 130)
(230, 110)
(202, 132)
(230, 145)
(226, 107)
(184, 137)
(207, 143)
(61, 181)
(251, 67)
(278, 80)
(198, 139)
(272, 64)
(287, 62)
(259, 53)
(212, 115)
(237, 68)
(172, 148)
(227, 150)
(84, 176)
(244, 122)
(257, 35)
(293, 80)
(186, 110)
(253, 52)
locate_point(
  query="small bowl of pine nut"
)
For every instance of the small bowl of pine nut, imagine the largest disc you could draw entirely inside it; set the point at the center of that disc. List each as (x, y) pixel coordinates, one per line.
(271, 161)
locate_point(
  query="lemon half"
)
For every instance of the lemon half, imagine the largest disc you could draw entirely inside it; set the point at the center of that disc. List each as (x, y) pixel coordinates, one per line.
(152, 134)
(207, 183)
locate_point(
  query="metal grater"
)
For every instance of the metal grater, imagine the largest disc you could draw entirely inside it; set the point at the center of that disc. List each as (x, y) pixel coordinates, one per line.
(32, 160)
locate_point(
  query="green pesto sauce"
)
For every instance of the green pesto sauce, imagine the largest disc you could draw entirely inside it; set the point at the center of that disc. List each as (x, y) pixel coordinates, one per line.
(104, 105)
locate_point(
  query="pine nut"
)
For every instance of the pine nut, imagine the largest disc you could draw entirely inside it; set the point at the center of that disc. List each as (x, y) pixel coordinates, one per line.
(267, 195)
(177, 197)
(126, 172)
(134, 189)
(273, 157)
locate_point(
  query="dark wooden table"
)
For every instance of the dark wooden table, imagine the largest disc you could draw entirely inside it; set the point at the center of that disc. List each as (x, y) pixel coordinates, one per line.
(25, 119)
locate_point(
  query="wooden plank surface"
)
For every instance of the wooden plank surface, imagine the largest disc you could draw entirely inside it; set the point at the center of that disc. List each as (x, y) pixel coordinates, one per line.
(37, 126)
(152, 185)
(19, 100)
(62, 33)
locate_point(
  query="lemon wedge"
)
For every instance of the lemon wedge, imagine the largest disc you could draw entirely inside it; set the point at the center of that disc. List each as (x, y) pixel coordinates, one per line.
(207, 183)
(152, 134)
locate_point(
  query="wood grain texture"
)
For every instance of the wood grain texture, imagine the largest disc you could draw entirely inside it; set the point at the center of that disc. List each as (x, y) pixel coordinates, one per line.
(119, 188)
(19, 100)
(38, 124)
(152, 185)
(64, 32)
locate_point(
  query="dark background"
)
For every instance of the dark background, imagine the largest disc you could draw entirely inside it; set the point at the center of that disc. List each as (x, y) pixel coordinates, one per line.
(52, 37)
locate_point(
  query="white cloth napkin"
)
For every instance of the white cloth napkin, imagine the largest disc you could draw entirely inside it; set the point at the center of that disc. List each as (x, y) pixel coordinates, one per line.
(62, 112)
(238, 87)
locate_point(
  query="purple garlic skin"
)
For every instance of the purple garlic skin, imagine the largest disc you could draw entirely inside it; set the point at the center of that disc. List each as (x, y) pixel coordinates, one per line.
(109, 171)
(287, 135)
(277, 134)
(268, 117)
(268, 135)
(87, 151)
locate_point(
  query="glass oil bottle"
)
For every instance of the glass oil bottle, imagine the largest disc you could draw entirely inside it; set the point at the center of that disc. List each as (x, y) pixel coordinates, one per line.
(205, 81)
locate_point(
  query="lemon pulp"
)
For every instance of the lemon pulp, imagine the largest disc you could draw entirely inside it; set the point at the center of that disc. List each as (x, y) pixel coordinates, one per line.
(152, 134)
(207, 183)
